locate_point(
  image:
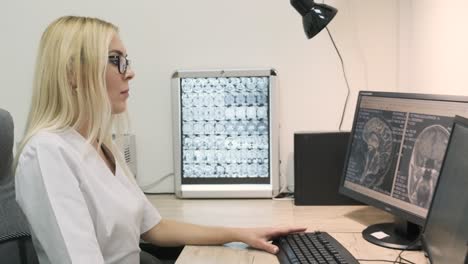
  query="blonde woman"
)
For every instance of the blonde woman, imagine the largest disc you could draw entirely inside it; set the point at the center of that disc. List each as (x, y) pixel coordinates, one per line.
(71, 183)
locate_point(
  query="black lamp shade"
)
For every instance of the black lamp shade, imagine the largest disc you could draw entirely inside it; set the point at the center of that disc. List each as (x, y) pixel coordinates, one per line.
(315, 17)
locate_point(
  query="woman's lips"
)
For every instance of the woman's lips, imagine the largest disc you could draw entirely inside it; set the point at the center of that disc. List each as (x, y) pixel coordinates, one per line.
(125, 93)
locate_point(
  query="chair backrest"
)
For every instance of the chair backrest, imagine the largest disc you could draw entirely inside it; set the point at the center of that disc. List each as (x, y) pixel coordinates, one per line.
(6, 144)
(15, 239)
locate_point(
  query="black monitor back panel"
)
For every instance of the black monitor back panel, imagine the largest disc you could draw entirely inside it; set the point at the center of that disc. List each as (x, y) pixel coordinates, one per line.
(318, 166)
(445, 234)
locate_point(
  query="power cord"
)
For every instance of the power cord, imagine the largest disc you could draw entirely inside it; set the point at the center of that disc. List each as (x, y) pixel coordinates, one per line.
(284, 196)
(145, 188)
(380, 260)
(396, 261)
(399, 259)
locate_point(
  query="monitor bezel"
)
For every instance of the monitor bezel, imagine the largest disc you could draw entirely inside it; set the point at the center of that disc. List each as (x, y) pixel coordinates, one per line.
(459, 120)
(396, 211)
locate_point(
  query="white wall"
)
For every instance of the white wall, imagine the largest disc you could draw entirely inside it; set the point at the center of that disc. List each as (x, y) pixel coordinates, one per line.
(163, 36)
(434, 50)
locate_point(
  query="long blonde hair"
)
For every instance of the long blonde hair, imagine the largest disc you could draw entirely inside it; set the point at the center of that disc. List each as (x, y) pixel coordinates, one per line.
(69, 87)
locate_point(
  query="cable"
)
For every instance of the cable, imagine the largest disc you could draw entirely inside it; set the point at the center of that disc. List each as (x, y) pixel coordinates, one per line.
(158, 181)
(407, 260)
(345, 77)
(284, 196)
(399, 258)
(282, 178)
(380, 260)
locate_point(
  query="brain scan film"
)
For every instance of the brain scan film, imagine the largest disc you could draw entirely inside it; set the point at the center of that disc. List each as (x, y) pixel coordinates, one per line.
(425, 164)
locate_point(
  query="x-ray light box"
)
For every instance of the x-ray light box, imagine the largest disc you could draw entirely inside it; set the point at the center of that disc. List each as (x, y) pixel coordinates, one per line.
(225, 133)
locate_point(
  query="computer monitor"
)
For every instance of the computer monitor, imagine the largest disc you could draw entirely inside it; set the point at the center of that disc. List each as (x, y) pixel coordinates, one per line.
(445, 235)
(394, 156)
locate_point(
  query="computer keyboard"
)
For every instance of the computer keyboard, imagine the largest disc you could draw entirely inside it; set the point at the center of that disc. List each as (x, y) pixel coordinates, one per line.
(314, 248)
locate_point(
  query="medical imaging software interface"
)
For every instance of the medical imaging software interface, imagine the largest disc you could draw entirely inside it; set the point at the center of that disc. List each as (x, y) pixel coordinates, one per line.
(397, 149)
(225, 130)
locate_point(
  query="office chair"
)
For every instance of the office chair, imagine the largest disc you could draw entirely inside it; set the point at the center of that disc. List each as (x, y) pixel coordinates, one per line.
(165, 255)
(15, 239)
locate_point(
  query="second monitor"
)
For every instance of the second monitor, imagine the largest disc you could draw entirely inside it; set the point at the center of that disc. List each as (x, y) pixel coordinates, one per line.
(397, 146)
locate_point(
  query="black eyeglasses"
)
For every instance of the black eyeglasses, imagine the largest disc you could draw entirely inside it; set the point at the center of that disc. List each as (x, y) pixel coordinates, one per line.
(121, 62)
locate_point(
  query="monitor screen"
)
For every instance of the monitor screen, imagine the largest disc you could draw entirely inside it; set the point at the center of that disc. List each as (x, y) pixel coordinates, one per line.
(445, 235)
(397, 146)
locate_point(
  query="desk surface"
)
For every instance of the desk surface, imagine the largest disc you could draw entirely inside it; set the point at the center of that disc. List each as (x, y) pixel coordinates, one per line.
(345, 223)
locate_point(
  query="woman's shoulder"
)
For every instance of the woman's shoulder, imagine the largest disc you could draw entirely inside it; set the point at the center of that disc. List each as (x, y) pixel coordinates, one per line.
(50, 142)
(65, 142)
(45, 138)
(39, 147)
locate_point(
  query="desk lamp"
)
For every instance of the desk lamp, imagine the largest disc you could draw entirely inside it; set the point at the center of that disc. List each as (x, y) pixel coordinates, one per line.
(316, 17)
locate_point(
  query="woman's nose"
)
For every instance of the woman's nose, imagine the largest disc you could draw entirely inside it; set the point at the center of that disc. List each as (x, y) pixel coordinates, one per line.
(130, 74)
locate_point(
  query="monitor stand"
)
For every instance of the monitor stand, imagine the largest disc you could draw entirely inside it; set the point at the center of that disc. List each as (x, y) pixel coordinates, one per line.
(400, 235)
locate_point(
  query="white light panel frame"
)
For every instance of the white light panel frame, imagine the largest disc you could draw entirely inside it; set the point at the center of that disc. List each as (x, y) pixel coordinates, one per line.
(189, 184)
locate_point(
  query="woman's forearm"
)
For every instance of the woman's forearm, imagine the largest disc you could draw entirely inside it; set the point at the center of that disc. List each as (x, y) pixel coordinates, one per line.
(173, 233)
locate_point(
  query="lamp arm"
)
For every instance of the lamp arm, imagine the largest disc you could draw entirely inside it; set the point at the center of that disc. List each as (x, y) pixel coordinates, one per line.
(345, 77)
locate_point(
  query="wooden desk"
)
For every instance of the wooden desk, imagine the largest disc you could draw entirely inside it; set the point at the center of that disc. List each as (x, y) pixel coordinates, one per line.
(345, 223)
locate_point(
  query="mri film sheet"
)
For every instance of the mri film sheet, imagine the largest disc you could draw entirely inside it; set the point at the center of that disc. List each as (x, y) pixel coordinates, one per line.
(225, 129)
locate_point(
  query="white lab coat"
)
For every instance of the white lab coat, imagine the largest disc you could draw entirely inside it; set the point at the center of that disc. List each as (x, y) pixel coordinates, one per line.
(78, 211)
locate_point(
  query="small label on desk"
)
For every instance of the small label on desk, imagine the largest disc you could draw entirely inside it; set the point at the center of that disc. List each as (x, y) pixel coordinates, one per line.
(379, 235)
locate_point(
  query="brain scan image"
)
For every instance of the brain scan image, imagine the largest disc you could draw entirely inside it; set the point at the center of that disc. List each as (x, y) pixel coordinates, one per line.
(378, 136)
(225, 127)
(426, 161)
